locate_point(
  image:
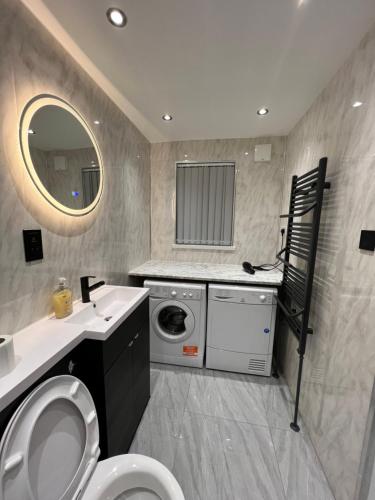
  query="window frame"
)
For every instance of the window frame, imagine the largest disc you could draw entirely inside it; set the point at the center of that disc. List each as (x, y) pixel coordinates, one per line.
(192, 246)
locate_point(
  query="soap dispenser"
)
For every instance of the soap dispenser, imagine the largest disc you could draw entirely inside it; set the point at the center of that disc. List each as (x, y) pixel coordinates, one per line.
(62, 300)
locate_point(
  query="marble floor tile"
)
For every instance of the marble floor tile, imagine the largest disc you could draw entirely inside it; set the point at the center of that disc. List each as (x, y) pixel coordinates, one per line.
(157, 434)
(228, 395)
(169, 385)
(226, 436)
(200, 466)
(300, 469)
(279, 405)
(251, 461)
(224, 459)
(154, 376)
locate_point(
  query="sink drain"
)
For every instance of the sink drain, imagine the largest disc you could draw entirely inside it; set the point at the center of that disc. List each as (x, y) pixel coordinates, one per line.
(108, 318)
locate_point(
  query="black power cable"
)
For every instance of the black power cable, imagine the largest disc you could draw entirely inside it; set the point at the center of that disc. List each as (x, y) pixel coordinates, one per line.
(249, 268)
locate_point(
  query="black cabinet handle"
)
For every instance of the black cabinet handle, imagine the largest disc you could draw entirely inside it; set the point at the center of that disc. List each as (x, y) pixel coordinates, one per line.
(71, 366)
(136, 336)
(130, 344)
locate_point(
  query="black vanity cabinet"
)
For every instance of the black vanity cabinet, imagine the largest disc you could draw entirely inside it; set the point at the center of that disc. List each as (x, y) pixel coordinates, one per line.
(117, 373)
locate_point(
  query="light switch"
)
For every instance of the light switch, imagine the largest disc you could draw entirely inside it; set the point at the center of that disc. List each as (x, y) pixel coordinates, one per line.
(32, 241)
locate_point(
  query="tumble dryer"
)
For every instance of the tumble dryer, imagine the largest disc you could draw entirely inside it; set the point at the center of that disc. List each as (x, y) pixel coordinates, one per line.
(240, 328)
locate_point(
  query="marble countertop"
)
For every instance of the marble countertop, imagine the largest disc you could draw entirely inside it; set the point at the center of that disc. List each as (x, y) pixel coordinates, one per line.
(221, 273)
(39, 346)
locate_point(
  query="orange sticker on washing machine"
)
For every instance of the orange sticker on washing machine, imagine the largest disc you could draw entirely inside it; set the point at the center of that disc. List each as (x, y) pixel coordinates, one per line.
(190, 350)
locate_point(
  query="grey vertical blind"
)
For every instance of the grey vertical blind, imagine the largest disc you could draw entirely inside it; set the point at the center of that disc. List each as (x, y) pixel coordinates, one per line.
(90, 184)
(204, 203)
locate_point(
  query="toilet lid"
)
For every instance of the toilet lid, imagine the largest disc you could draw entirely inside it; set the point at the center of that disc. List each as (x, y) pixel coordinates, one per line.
(51, 445)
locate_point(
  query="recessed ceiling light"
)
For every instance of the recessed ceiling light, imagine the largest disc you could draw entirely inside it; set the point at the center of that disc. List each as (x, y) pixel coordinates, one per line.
(357, 104)
(246, 153)
(167, 117)
(31, 131)
(116, 17)
(186, 156)
(263, 111)
(97, 122)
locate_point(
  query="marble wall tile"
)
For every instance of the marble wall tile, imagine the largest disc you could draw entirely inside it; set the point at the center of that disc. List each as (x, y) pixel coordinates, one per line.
(366, 485)
(340, 359)
(116, 235)
(257, 203)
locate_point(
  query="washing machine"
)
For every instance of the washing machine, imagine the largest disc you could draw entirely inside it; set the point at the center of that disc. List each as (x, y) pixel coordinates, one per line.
(177, 322)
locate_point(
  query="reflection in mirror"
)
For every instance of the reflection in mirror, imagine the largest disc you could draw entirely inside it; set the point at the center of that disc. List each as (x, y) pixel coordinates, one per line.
(61, 155)
(64, 157)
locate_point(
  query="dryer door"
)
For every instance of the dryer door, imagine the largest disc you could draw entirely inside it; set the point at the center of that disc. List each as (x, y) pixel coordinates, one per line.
(173, 321)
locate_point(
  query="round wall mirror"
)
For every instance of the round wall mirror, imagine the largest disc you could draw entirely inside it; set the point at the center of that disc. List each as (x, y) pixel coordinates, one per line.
(61, 155)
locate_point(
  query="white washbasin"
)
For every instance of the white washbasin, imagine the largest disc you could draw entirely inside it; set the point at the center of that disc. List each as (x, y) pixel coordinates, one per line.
(109, 306)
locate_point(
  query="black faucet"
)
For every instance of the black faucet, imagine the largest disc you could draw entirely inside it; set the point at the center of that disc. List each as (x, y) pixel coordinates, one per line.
(86, 289)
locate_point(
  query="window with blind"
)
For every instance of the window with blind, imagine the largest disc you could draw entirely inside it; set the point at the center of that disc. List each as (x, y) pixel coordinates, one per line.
(90, 184)
(204, 203)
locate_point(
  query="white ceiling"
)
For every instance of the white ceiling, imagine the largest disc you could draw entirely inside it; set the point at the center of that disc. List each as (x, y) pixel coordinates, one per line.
(210, 63)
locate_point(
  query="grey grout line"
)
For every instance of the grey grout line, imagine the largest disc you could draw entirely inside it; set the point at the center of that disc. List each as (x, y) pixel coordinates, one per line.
(307, 436)
(151, 403)
(181, 421)
(278, 464)
(226, 418)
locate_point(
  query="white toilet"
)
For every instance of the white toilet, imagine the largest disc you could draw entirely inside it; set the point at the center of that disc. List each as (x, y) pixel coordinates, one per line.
(50, 448)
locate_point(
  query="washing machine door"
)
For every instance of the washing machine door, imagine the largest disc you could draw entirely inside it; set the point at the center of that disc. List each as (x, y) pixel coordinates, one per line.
(173, 321)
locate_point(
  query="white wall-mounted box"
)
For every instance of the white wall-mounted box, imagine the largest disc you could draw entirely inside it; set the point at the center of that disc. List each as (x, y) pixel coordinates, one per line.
(262, 152)
(59, 162)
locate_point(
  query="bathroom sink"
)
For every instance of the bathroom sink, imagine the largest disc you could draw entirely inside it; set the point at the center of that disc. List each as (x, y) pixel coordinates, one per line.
(109, 306)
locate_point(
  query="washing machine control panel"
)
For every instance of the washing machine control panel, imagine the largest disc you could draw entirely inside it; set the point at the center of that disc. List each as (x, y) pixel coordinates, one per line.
(185, 294)
(179, 292)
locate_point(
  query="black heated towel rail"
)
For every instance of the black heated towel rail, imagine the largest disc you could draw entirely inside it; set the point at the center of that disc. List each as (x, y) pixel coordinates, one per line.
(298, 257)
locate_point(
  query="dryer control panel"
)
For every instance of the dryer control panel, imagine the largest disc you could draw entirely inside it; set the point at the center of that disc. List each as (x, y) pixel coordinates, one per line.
(242, 294)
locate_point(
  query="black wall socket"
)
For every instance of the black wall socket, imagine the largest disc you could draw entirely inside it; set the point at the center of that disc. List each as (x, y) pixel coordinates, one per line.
(367, 240)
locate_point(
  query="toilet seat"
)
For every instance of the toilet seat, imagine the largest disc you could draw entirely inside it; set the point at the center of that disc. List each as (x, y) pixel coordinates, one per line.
(51, 445)
(50, 448)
